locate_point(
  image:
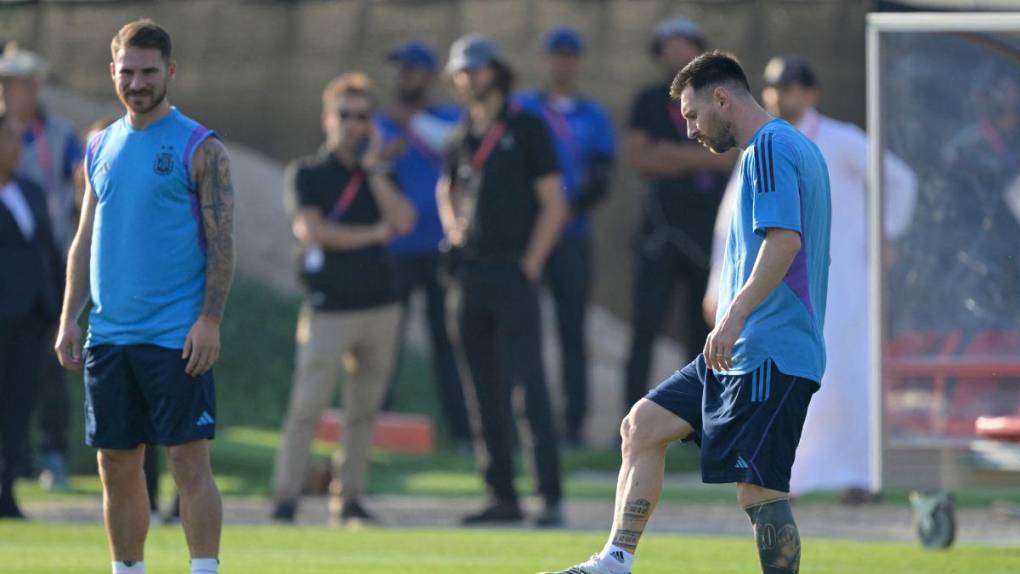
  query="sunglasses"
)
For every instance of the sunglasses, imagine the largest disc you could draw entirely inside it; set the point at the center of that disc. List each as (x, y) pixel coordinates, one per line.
(349, 115)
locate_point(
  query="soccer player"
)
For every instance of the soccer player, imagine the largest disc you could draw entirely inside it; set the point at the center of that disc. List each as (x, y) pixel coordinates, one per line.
(744, 399)
(155, 248)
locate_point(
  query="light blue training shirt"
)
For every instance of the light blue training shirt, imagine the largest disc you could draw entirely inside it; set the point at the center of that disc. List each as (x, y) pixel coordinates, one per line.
(148, 246)
(784, 184)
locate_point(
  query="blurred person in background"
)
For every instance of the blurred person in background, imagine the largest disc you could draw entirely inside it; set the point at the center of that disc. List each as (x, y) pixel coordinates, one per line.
(154, 178)
(834, 453)
(29, 305)
(502, 206)
(585, 148)
(685, 184)
(345, 209)
(51, 158)
(415, 132)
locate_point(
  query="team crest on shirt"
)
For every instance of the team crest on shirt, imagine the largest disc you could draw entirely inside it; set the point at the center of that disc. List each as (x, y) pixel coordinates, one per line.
(164, 161)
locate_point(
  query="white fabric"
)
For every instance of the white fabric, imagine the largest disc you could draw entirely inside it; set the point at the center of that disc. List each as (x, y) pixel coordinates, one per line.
(134, 568)
(205, 566)
(15, 202)
(434, 131)
(835, 445)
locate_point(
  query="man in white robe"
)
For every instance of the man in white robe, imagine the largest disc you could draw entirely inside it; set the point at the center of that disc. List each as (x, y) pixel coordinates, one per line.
(834, 451)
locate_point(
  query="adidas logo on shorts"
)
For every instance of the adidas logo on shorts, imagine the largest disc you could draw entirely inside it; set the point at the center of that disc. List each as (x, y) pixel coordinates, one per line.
(204, 420)
(741, 463)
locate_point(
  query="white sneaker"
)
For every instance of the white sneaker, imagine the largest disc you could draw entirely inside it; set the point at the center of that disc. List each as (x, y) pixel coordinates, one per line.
(592, 566)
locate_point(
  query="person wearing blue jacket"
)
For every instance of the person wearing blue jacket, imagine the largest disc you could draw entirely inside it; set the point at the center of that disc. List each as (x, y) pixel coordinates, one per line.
(585, 148)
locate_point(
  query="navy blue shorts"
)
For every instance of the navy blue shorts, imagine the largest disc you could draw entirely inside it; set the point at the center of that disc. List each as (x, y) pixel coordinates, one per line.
(748, 426)
(137, 394)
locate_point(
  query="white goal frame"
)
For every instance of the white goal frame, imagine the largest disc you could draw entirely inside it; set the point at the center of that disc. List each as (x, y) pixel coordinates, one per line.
(877, 24)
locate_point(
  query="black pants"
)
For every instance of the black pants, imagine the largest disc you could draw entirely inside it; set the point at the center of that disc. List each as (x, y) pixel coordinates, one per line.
(569, 277)
(494, 313)
(22, 340)
(54, 404)
(657, 272)
(422, 271)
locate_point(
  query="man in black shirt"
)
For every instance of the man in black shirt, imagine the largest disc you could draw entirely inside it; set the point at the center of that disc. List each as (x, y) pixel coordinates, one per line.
(345, 208)
(502, 206)
(686, 182)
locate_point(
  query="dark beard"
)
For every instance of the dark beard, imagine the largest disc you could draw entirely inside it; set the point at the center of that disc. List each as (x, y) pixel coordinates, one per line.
(157, 99)
(724, 142)
(411, 97)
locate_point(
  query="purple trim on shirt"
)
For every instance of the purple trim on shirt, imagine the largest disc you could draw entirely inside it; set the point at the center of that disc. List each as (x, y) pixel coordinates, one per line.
(198, 135)
(797, 275)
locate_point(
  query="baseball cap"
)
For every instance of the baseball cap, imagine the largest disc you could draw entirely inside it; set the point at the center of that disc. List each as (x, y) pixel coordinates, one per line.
(472, 52)
(564, 39)
(413, 54)
(790, 70)
(15, 62)
(678, 26)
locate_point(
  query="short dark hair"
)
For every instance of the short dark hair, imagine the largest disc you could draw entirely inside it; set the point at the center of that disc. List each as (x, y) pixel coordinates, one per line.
(709, 69)
(143, 33)
(504, 76)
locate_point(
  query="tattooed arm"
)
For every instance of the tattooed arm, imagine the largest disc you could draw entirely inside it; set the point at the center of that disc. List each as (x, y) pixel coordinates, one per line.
(211, 170)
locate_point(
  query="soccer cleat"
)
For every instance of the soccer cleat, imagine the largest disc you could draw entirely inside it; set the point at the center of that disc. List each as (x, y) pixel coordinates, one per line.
(592, 566)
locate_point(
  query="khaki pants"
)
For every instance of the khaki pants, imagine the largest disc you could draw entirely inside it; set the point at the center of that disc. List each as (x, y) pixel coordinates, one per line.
(363, 343)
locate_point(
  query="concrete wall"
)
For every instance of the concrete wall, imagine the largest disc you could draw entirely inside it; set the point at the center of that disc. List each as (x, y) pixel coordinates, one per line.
(253, 69)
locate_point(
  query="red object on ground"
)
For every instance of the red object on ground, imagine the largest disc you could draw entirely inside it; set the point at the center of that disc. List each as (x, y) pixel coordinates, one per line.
(397, 432)
(999, 428)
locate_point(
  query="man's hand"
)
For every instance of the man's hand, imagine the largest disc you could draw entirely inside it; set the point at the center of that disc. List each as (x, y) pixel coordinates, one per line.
(531, 269)
(68, 346)
(719, 344)
(202, 347)
(373, 153)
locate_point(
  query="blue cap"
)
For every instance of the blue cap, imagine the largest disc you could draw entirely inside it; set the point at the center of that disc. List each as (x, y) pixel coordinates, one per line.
(413, 54)
(678, 26)
(790, 70)
(564, 39)
(472, 52)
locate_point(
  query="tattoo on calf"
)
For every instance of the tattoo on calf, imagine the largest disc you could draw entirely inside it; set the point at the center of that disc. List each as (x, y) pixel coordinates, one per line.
(777, 537)
(627, 539)
(637, 509)
(632, 519)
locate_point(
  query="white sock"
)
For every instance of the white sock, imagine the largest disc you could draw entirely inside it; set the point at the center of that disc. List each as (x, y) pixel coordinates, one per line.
(129, 567)
(616, 559)
(205, 566)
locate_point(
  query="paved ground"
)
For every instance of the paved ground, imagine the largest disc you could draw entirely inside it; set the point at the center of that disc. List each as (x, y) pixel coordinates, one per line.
(882, 522)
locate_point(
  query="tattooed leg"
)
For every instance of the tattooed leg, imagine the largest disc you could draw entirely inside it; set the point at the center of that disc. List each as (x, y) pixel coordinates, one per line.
(776, 535)
(647, 431)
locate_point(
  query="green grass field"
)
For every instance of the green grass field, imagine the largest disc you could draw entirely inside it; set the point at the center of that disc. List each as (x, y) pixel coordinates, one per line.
(52, 549)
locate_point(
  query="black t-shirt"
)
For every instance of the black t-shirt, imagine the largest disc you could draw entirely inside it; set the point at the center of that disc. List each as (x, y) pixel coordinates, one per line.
(342, 280)
(506, 206)
(689, 203)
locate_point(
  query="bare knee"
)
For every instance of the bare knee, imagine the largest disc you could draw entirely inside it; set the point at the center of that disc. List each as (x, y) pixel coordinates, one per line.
(118, 465)
(189, 464)
(751, 494)
(649, 427)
